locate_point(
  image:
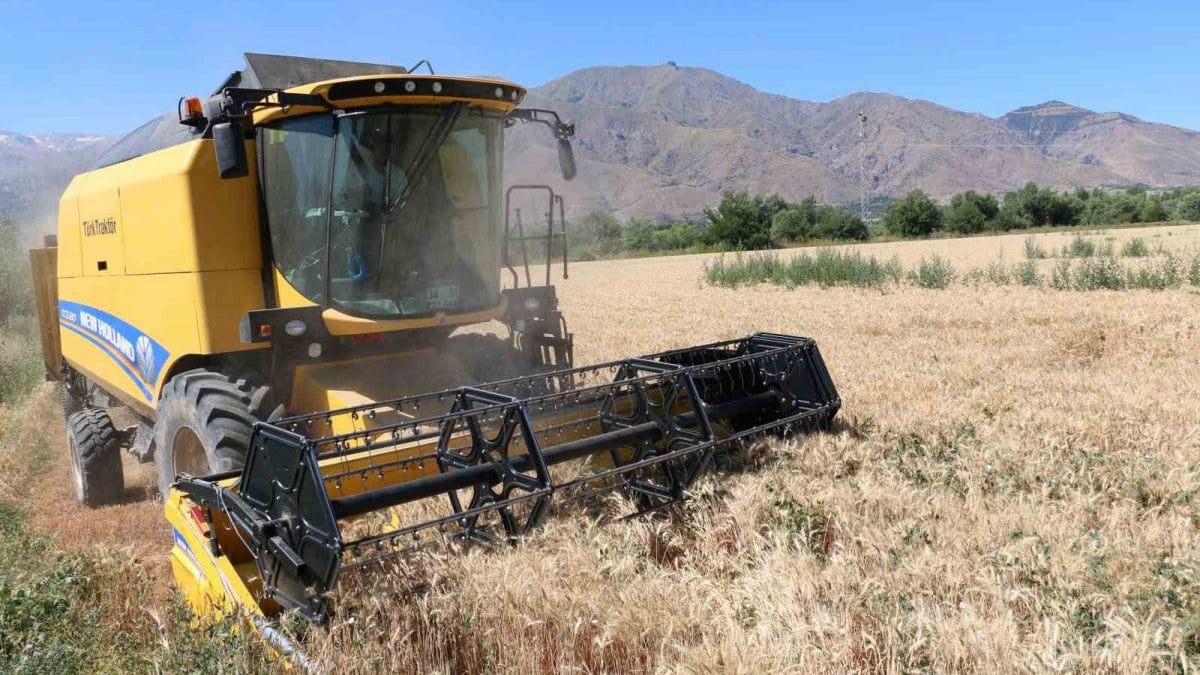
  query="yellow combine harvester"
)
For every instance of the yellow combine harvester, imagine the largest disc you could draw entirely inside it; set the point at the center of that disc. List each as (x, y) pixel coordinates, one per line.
(270, 280)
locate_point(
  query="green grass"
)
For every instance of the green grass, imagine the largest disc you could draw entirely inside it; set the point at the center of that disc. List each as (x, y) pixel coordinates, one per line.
(1081, 267)
(933, 272)
(1135, 248)
(20, 358)
(81, 613)
(827, 267)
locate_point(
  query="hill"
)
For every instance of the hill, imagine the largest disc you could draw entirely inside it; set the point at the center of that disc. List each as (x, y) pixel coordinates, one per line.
(664, 141)
(34, 169)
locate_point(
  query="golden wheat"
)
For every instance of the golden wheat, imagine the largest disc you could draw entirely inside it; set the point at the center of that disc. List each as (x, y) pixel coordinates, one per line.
(1012, 487)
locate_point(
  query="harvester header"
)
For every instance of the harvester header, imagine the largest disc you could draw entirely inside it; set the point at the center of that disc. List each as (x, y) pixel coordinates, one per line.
(309, 506)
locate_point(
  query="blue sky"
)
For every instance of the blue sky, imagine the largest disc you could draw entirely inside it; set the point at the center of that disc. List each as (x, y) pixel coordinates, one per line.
(106, 67)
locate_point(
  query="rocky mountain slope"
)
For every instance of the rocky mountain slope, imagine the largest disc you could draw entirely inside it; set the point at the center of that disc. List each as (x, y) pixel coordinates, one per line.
(34, 169)
(664, 141)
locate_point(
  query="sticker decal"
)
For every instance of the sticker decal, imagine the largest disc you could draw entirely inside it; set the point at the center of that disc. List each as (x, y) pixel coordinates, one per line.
(182, 543)
(138, 354)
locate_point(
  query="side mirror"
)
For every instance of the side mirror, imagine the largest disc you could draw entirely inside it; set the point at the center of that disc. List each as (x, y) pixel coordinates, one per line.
(566, 159)
(230, 145)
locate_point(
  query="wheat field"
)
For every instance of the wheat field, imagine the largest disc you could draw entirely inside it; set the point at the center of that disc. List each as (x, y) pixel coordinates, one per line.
(1011, 487)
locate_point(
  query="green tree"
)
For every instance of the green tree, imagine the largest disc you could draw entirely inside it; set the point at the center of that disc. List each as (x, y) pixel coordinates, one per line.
(1153, 211)
(599, 232)
(971, 212)
(1188, 206)
(1031, 206)
(638, 234)
(834, 223)
(794, 223)
(741, 221)
(916, 215)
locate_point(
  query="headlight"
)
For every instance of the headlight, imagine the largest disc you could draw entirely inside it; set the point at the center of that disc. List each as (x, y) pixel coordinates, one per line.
(532, 304)
(295, 327)
(314, 350)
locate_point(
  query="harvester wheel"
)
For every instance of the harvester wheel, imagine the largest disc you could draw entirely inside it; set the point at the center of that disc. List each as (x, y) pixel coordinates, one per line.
(95, 457)
(73, 394)
(204, 424)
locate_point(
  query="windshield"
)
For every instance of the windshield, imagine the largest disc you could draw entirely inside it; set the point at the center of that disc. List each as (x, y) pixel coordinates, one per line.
(387, 214)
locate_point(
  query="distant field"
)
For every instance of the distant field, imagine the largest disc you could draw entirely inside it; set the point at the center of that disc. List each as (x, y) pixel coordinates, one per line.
(1012, 487)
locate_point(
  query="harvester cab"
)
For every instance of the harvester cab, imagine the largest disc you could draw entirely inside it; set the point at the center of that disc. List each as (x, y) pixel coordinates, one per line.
(272, 279)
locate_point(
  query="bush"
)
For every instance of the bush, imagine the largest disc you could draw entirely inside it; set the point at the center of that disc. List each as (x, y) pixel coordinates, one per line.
(1034, 250)
(1079, 247)
(1135, 248)
(794, 223)
(597, 232)
(934, 272)
(1027, 274)
(1032, 206)
(828, 267)
(914, 216)
(640, 234)
(834, 223)
(970, 212)
(1188, 206)
(742, 222)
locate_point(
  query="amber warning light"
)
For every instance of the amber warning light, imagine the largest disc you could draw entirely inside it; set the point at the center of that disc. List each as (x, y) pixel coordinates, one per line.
(191, 111)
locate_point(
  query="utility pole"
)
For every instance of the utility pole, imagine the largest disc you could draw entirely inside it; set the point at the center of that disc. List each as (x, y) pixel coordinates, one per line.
(862, 165)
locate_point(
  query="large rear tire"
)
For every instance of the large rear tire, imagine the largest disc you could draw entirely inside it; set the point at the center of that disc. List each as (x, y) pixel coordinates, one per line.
(95, 457)
(204, 424)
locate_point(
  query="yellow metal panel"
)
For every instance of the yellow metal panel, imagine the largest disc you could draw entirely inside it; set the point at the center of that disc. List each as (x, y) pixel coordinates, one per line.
(222, 299)
(70, 261)
(180, 216)
(340, 323)
(103, 319)
(225, 213)
(101, 227)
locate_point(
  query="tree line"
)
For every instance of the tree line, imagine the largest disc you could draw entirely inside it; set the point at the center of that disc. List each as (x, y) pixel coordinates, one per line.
(742, 221)
(970, 212)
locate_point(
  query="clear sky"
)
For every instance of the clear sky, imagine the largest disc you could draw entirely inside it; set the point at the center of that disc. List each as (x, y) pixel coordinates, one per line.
(105, 67)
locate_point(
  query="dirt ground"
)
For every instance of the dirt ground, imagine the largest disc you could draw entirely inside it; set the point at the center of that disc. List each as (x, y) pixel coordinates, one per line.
(1012, 488)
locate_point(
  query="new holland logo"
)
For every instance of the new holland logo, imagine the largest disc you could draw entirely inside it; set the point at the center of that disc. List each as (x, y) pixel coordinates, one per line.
(145, 359)
(138, 354)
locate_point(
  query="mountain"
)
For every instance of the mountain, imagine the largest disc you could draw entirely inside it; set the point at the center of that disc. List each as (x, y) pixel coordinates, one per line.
(34, 170)
(663, 141)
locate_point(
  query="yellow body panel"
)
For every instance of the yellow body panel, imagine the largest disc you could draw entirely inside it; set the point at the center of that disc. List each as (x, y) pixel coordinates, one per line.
(182, 265)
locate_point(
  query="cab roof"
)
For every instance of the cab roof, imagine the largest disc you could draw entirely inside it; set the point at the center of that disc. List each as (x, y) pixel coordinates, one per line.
(274, 71)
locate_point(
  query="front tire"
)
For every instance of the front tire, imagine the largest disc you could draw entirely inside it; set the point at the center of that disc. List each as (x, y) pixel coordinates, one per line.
(95, 457)
(204, 424)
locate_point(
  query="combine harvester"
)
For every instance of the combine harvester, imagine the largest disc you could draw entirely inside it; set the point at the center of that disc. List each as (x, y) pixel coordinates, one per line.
(270, 281)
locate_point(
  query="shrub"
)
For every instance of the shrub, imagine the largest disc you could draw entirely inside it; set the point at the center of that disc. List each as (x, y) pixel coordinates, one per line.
(742, 222)
(828, 267)
(1027, 274)
(794, 223)
(834, 223)
(1034, 250)
(1135, 248)
(971, 212)
(933, 272)
(1079, 247)
(916, 215)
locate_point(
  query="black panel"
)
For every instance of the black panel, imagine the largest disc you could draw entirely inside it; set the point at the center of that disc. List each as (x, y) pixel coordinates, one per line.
(272, 71)
(395, 86)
